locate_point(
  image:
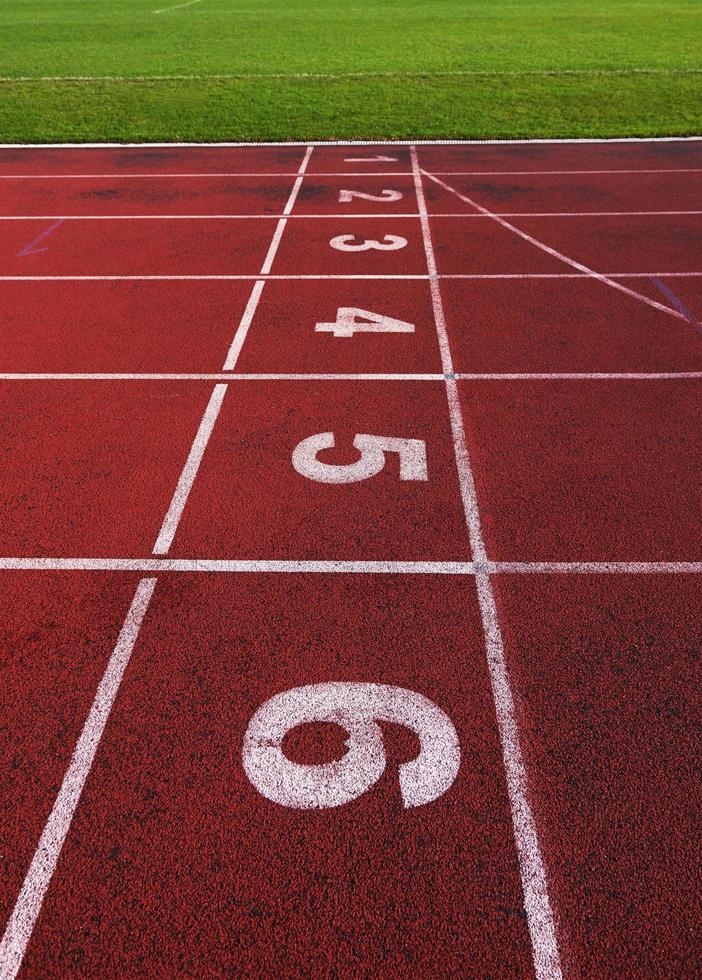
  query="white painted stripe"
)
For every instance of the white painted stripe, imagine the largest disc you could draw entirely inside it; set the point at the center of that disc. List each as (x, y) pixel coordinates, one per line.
(536, 899)
(340, 76)
(476, 376)
(559, 255)
(163, 10)
(252, 305)
(596, 568)
(313, 277)
(245, 323)
(337, 217)
(159, 175)
(28, 905)
(59, 376)
(214, 565)
(158, 565)
(187, 477)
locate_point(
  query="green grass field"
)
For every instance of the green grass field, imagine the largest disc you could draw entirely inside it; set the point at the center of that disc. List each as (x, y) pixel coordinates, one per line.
(303, 69)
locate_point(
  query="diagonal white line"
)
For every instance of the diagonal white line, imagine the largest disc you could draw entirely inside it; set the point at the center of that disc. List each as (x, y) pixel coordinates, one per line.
(556, 254)
(29, 901)
(178, 6)
(252, 305)
(534, 884)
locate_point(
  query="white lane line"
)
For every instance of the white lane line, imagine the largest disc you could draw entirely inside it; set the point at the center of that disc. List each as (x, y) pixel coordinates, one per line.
(163, 10)
(153, 566)
(29, 901)
(187, 477)
(556, 254)
(337, 217)
(327, 173)
(460, 376)
(209, 565)
(65, 376)
(28, 905)
(536, 899)
(313, 277)
(252, 305)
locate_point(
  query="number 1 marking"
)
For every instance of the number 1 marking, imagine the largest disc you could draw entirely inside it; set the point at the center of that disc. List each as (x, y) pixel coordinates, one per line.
(351, 320)
(378, 159)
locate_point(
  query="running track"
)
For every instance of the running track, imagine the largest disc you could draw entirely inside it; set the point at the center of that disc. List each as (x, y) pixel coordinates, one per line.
(495, 598)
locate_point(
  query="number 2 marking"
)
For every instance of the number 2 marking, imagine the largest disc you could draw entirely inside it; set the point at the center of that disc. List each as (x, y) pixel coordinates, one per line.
(351, 320)
(357, 708)
(373, 450)
(386, 195)
(390, 243)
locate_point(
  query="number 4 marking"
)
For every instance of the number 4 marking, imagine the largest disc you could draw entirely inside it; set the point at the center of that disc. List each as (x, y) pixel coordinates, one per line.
(351, 320)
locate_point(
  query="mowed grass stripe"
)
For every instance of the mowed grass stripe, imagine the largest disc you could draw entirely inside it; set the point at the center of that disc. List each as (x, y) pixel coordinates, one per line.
(283, 69)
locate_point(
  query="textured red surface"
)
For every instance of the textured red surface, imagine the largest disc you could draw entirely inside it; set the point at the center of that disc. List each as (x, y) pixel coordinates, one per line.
(249, 502)
(136, 326)
(90, 469)
(567, 325)
(177, 861)
(285, 340)
(174, 863)
(56, 635)
(606, 672)
(574, 472)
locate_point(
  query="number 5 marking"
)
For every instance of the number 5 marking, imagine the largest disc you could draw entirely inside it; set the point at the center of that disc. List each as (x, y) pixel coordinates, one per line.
(357, 708)
(346, 196)
(345, 243)
(348, 323)
(373, 449)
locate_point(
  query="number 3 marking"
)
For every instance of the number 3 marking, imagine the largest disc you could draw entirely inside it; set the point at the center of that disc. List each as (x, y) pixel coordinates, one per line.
(357, 708)
(351, 320)
(373, 449)
(345, 243)
(346, 196)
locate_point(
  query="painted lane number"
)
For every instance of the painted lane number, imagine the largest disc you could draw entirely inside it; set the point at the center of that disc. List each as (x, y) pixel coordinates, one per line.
(345, 197)
(357, 708)
(352, 319)
(373, 450)
(348, 243)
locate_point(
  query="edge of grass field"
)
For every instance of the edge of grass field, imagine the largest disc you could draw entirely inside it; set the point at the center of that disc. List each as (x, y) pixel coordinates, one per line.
(387, 142)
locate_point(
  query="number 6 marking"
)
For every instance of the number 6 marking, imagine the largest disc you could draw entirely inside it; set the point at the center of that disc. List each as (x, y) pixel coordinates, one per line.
(390, 243)
(412, 453)
(357, 708)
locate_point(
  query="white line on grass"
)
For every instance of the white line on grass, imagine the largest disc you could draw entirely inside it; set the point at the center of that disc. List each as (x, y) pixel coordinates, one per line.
(29, 901)
(563, 141)
(536, 899)
(556, 254)
(331, 76)
(163, 10)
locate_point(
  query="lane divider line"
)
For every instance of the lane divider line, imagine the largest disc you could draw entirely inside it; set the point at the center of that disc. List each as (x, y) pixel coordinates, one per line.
(554, 252)
(537, 903)
(29, 901)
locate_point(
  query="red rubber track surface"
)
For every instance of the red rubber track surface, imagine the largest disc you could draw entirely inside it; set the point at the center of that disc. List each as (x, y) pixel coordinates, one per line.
(166, 347)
